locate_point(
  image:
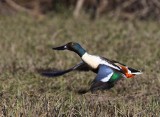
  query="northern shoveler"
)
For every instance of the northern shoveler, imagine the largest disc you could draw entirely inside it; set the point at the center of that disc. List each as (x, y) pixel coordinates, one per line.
(108, 71)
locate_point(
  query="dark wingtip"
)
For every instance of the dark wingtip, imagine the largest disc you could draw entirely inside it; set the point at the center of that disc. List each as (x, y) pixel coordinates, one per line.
(48, 74)
(54, 73)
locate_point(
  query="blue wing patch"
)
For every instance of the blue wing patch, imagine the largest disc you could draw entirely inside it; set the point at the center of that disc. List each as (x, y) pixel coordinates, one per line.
(104, 73)
(101, 82)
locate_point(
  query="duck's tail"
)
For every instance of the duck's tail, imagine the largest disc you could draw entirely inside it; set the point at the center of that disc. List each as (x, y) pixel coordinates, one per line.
(134, 71)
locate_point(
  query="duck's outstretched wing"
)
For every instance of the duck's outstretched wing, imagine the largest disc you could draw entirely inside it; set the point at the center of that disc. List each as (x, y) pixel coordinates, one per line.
(80, 66)
(101, 81)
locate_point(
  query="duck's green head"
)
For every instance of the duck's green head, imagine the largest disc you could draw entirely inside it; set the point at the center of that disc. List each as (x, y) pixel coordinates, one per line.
(72, 46)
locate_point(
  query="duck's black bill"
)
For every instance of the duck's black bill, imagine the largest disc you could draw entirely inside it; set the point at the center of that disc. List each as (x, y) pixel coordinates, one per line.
(60, 47)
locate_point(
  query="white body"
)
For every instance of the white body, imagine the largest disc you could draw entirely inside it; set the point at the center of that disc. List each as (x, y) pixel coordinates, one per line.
(94, 61)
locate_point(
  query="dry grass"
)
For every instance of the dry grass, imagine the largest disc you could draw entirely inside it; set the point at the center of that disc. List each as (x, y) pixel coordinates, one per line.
(25, 45)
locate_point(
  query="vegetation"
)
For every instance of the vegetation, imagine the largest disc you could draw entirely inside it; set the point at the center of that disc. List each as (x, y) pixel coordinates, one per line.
(25, 46)
(125, 9)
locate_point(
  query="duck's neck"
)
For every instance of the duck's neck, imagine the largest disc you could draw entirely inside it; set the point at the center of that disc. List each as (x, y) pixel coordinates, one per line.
(80, 51)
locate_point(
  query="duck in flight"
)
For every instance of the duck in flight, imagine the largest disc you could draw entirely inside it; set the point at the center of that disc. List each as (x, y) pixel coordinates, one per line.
(108, 71)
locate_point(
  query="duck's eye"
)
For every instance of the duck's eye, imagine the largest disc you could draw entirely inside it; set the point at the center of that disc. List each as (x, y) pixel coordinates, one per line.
(72, 44)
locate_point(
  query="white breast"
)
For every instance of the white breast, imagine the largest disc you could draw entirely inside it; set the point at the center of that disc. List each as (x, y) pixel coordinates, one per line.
(94, 61)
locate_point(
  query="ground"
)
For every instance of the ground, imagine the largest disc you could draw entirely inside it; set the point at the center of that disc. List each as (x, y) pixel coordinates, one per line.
(25, 46)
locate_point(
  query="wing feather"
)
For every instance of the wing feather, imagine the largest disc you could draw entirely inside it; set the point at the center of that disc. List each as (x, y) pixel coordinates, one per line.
(80, 66)
(101, 81)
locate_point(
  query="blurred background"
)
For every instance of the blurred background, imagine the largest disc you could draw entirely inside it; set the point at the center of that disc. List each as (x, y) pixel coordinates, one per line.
(126, 9)
(123, 30)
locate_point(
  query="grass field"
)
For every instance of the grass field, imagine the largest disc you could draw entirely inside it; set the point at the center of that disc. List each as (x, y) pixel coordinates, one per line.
(25, 45)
